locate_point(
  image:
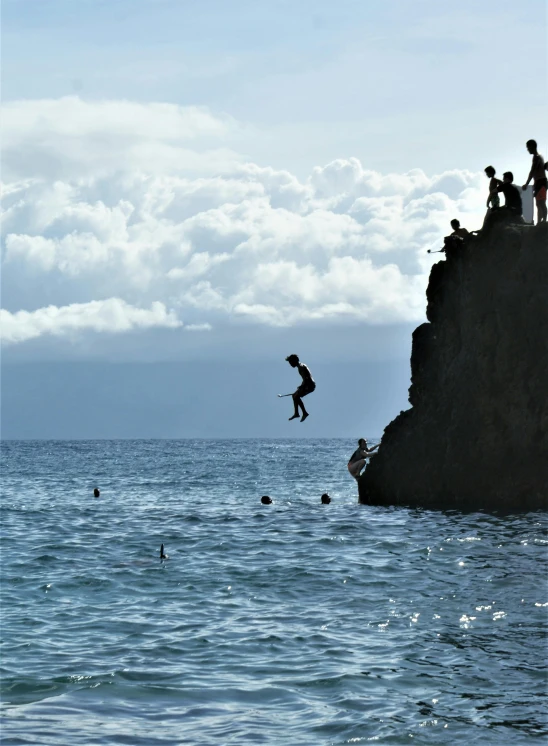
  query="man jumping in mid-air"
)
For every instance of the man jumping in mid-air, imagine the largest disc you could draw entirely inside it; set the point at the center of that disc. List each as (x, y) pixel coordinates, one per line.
(306, 387)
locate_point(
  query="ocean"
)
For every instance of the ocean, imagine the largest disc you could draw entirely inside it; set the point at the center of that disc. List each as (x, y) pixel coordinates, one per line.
(294, 623)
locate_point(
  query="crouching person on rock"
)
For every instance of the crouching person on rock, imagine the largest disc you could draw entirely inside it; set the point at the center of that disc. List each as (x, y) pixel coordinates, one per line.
(458, 231)
(457, 238)
(359, 457)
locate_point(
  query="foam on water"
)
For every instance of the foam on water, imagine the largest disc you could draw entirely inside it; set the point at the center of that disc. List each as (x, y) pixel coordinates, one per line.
(294, 623)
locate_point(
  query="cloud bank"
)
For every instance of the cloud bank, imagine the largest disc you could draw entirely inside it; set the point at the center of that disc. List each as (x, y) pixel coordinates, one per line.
(112, 316)
(113, 207)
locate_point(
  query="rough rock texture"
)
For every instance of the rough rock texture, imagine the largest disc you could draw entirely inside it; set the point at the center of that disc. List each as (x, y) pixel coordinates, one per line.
(476, 436)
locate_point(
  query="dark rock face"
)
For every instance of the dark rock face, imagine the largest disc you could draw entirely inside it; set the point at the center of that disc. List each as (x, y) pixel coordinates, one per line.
(476, 436)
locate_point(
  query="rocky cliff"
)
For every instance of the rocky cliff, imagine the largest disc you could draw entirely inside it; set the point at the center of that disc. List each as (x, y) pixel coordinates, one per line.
(476, 436)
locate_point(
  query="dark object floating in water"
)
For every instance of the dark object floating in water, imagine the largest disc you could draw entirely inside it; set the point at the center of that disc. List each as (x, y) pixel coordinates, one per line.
(325, 499)
(162, 554)
(96, 492)
(266, 500)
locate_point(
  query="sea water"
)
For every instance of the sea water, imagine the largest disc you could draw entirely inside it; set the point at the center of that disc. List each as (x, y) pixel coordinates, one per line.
(292, 623)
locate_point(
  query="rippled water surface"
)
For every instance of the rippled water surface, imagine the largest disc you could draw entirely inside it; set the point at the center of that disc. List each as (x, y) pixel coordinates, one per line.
(293, 623)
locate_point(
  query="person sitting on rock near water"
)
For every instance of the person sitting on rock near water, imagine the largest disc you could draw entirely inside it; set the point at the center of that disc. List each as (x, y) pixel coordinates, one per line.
(512, 197)
(359, 457)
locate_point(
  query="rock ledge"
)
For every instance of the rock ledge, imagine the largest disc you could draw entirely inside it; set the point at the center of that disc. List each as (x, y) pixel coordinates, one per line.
(476, 436)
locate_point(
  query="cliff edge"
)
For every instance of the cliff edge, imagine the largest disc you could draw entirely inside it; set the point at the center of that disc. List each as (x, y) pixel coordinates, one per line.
(476, 436)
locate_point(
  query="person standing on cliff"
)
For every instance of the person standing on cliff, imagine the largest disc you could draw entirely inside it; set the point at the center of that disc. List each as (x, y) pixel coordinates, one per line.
(493, 201)
(512, 196)
(307, 386)
(540, 183)
(359, 457)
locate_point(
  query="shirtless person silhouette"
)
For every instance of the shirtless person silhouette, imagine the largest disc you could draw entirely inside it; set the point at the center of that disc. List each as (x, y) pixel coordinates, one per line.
(493, 202)
(306, 387)
(538, 174)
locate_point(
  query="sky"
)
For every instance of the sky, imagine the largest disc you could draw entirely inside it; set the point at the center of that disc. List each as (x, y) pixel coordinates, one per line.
(193, 191)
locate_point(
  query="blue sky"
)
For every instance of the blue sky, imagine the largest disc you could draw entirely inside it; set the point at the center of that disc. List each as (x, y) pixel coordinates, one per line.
(217, 182)
(398, 84)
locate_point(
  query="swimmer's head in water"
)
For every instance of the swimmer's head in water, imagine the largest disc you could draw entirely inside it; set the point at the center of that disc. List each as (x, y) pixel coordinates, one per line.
(325, 499)
(96, 492)
(293, 360)
(265, 500)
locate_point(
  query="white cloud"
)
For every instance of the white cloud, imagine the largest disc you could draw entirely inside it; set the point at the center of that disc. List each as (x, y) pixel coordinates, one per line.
(199, 264)
(56, 138)
(249, 243)
(112, 315)
(198, 328)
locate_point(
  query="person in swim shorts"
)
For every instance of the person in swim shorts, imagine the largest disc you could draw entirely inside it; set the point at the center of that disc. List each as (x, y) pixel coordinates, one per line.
(359, 457)
(540, 183)
(493, 201)
(307, 386)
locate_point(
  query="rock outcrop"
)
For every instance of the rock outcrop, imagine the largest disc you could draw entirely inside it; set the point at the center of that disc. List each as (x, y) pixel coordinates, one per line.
(476, 436)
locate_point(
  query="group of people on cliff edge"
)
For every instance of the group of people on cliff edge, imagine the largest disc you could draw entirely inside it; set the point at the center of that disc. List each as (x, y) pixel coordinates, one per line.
(512, 195)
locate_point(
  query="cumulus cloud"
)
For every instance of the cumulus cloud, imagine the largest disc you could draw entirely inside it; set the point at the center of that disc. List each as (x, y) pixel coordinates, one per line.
(112, 315)
(247, 243)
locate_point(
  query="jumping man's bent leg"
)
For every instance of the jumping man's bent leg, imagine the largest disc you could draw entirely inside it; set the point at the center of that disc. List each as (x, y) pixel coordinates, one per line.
(300, 403)
(296, 401)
